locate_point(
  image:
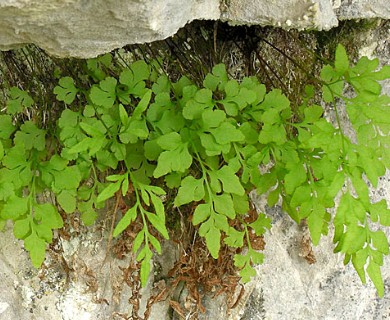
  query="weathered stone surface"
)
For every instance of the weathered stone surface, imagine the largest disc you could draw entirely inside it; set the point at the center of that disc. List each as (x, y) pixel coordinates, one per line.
(85, 29)
(361, 9)
(300, 14)
(288, 287)
(22, 294)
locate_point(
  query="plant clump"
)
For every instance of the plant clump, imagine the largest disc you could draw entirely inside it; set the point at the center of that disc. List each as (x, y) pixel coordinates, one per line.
(157, 145)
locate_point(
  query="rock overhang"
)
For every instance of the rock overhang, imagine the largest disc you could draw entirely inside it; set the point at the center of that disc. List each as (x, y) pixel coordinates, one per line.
(88, 28)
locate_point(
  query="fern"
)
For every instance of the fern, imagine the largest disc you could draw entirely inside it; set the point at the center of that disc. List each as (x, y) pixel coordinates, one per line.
(205, 144)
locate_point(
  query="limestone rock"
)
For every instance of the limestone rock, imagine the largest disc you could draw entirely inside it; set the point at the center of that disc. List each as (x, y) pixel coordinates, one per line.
(88, 28)
(362, 9)
(299, 14)
(85, 28)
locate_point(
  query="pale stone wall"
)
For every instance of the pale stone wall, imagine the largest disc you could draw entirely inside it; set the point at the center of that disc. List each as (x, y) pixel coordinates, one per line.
(85, 29)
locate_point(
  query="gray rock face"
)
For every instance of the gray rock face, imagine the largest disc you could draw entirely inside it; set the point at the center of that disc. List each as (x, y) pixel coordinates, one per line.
(300, 14)
(85, 28)
(88, 28)
(291, 288)
(288, 287)
(361, 9)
